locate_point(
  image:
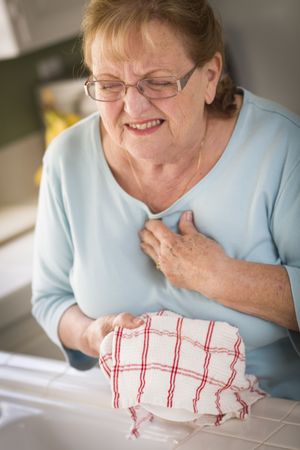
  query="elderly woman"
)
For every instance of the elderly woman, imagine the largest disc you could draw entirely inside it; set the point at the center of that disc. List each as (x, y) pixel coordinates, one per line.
(180, 193)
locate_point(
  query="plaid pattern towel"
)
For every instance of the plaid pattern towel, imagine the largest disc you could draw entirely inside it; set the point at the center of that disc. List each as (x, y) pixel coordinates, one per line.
(189, 366)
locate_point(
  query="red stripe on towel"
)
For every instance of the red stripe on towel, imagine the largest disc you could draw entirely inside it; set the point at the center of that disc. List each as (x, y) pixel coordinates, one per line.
(230, 379)
(134, 432)
(175, 363)
(103, 363)
(116, 395)
(206, 365)
(245, 409)
(134, 334)
(144, 359)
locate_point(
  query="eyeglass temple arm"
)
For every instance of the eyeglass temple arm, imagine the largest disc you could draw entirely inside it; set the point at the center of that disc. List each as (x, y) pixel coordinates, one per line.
(86, 87)
(183, 81)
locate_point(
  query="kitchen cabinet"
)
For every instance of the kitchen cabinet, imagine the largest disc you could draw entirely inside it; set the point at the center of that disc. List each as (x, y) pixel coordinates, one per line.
(27, 25)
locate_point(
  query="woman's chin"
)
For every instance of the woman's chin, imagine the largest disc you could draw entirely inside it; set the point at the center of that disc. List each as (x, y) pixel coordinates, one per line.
(149, 152)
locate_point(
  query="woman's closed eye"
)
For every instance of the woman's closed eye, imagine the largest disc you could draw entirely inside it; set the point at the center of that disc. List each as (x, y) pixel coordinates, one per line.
(110, 85)
(158, 82)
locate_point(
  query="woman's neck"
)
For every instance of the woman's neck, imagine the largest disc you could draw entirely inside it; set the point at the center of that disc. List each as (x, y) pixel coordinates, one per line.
(155, 183)
(158, 184)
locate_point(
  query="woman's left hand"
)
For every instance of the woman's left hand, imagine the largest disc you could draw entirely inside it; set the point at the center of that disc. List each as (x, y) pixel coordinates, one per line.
(189, 259)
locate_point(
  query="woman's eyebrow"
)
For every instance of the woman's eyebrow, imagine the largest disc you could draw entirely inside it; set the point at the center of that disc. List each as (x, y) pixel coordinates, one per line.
(107, 76)
(167, 71)
(110, 76)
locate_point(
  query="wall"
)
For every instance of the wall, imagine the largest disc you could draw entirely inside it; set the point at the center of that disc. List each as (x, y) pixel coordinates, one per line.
(19, 79)
(263, 39)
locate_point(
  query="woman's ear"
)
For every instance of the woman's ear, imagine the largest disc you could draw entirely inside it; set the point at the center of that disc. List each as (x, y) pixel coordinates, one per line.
(213, 73)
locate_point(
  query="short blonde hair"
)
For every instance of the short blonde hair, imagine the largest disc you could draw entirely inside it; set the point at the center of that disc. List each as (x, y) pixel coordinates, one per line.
(193, 20)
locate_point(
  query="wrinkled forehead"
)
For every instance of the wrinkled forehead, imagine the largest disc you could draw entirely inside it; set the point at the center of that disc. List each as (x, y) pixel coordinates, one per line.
(118, 45)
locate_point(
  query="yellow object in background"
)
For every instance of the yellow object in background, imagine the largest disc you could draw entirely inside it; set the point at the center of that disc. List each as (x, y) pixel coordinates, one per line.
(37, 176)
(55, 122)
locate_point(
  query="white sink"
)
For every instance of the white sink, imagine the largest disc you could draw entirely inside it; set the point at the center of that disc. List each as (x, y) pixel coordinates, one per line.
(54, 427)
(46, 405)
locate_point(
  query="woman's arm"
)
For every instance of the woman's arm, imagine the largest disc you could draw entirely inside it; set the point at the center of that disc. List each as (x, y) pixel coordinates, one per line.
(52, 294)
(53, 302)
(261, 290)
(79, 332)
(190, 260)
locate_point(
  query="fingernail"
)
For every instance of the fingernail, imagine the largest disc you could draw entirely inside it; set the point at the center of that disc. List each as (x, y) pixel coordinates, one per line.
(138, 321)
(189, 216)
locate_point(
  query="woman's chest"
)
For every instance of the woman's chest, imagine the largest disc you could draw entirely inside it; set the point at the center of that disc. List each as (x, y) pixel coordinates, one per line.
(110, 271)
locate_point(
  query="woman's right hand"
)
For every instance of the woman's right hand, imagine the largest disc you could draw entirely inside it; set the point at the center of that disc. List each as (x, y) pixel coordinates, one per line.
(79, 332)
(96, 331)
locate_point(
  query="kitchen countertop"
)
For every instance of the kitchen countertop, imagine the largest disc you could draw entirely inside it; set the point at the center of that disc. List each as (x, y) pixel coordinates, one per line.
(15, 279)
(17, 219)
(272, 425)
(16, 258)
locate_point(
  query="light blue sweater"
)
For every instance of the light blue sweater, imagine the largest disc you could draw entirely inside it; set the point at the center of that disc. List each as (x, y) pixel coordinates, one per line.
(87, 249)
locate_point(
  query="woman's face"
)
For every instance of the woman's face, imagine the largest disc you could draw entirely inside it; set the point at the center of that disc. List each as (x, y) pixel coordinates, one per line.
(174, 125)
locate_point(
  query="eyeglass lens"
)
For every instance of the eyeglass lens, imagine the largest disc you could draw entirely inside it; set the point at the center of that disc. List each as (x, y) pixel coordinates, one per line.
(163, 87)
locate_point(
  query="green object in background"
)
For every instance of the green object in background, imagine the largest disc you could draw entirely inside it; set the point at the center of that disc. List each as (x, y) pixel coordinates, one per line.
(19, 80)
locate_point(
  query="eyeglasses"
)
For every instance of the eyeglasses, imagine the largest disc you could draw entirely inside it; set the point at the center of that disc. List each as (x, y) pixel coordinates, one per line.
(153, 88)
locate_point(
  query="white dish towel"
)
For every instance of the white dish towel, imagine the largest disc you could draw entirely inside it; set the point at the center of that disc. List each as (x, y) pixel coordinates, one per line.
(180, 369)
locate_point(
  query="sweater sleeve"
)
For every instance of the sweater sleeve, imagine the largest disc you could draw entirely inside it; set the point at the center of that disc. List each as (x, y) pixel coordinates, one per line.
(52, 293)
(286, 233)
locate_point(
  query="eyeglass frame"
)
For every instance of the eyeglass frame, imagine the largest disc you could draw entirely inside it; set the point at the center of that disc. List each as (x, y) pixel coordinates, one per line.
(180, 82)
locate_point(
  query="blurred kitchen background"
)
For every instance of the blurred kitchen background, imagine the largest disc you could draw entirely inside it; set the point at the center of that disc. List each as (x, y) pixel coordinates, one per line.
(41, 93)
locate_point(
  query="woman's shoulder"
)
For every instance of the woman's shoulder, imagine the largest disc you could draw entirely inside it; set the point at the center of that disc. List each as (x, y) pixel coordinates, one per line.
(73, 142)
(272, 133)
(271, 111)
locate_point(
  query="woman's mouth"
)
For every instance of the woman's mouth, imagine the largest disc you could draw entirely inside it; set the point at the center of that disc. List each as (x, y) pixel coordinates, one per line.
(145, 127)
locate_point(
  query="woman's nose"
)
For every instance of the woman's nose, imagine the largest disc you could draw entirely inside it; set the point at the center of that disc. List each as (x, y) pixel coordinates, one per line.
(134, 102)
